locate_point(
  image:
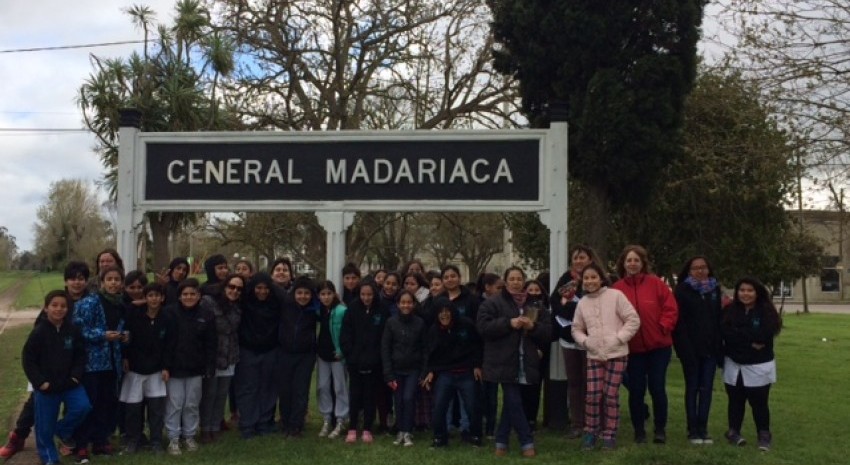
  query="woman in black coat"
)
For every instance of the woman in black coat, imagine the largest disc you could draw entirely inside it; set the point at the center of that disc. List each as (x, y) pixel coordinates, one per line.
(697, 342)
(514, 340)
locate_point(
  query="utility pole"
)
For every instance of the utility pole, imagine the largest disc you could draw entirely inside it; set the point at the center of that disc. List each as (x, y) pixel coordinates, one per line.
(802, 219)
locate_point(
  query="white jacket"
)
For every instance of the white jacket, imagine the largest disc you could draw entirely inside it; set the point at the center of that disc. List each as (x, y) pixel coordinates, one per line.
(603, 324)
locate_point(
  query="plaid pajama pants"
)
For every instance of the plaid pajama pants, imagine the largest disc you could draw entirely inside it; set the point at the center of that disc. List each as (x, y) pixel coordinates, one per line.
(602, 404)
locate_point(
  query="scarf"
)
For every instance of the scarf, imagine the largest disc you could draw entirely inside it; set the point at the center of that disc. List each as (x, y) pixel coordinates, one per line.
(703, 287)
(519, 297)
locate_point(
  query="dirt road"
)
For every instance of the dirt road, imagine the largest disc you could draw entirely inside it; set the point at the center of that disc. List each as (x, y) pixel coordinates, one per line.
(8, 316)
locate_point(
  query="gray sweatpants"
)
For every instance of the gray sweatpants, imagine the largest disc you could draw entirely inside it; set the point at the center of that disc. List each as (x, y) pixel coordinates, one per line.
(332, 375)
(182, 408)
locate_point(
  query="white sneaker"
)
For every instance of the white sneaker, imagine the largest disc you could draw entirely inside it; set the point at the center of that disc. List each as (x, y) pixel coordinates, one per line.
(338, 430)
(191, 445)
(326, 428)
(174, 447)
(408, 440)
(399, 438)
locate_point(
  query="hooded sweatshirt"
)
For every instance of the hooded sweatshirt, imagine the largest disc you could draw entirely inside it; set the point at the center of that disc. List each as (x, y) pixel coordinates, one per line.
(54, 355)
(208, 288)
(456, 347)
(297, 334)
(171, 294)
(362, 330)
(258, 330)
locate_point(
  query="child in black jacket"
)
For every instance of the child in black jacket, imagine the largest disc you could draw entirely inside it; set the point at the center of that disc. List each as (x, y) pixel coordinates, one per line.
(54, 360)
(193, 357)
(151, 337)
(403, 355)
(453, 364)
(360, 339)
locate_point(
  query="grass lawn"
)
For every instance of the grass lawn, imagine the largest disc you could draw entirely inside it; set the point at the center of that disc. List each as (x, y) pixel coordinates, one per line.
(7, 278)
(35, 290)
(809, 420)
(13, 383)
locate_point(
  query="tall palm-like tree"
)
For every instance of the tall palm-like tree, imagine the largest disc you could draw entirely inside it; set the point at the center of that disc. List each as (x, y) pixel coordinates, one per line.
(172, 83)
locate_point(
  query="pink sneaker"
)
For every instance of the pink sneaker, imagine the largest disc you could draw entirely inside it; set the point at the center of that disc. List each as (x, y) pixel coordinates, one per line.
(351, 437)
(366, 437)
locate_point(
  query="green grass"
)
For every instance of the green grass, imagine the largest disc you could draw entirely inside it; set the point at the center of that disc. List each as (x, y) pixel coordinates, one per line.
(13, 383)
(809, 421)
(33, 293)
(7, 278)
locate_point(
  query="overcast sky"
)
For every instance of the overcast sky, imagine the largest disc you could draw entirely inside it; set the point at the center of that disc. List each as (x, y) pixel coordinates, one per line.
(38, 92)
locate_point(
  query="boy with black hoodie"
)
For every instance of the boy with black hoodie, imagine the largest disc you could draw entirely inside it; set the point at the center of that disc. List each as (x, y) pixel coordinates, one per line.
(193, 358)
(151, 337)
(76, 287)
(54, 360)
(217, 269)
(297, 338)
(453, 365)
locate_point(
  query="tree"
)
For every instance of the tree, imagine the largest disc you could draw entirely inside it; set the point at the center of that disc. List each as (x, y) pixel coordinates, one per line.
(476, 238)
(727, 196)
(354, 64)
(622, 69)
(173, 84)
(70, 225)
(8, 249)
(363, 65)
(797, 51)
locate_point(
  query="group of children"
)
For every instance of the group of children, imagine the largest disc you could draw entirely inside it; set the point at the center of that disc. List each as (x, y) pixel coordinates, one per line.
(424, 345)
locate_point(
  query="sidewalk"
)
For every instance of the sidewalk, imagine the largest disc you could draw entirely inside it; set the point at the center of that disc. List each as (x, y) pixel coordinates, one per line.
(796, 307)
(11, 319)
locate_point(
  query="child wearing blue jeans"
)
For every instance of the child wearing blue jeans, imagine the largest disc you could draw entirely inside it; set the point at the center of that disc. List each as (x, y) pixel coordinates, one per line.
(54, 360)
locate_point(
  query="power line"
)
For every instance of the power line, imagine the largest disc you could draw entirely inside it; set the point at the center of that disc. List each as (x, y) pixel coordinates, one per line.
(67, 47)
(41, 130)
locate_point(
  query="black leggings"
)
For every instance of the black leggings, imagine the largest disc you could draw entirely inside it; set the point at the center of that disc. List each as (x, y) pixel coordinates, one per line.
(739, 395)
(26, 419)
(363, 389)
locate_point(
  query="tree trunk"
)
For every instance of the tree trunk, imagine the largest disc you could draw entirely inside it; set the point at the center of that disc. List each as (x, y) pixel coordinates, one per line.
(160, 230)
(598, 226)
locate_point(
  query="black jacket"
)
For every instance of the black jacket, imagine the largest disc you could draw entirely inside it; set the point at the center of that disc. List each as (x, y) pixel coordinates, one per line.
(502, 342)
(403, 345)
(297, 332)
(741, 329)
(360, 338)
(258, 330)
(697, 332)
(456, 347)
(466, 303)
(150, 340)
(565, 310)
(196, 342)
(54, 355)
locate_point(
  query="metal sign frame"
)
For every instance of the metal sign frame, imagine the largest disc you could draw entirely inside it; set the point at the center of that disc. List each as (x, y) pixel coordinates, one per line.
(336, 216)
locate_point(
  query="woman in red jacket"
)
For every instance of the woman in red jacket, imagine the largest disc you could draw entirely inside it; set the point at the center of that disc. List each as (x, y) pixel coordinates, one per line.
(650, 349)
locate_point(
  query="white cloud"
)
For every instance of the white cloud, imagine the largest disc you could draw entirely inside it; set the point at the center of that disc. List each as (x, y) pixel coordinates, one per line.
(39, 91)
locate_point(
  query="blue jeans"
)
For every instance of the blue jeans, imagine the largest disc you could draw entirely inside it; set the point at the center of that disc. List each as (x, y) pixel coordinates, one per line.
(699, 382)
(404, 398)
(296, 373)
(445, 386)
(77, 406)
(648, 369)
(513, 416)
